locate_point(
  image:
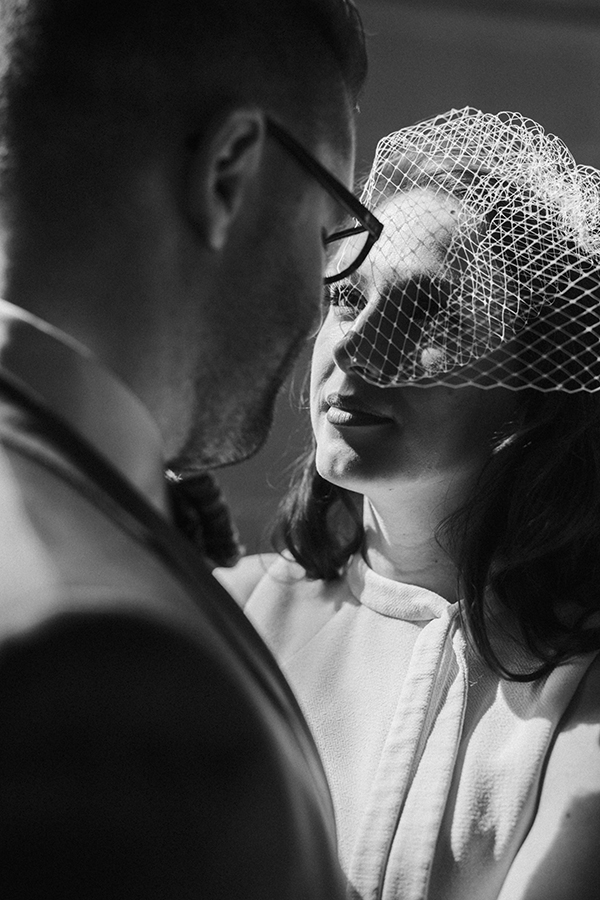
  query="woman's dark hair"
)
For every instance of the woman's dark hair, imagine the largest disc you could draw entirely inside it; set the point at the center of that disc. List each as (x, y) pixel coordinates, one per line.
(530, 532)
(319, 522)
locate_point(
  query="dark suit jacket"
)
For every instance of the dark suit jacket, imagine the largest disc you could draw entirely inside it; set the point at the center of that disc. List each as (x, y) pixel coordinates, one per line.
(149, 748)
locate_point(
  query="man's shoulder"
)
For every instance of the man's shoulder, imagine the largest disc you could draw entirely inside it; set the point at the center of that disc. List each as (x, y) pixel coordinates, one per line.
(61, 554)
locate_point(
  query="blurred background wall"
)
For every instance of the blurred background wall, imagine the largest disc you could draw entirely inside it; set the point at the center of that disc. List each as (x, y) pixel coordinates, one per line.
(539, 57)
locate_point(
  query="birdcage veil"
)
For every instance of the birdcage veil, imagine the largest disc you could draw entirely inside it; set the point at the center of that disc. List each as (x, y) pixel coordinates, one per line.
(514, 298)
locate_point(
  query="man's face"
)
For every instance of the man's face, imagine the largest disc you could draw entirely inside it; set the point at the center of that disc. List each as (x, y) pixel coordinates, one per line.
(267, 302)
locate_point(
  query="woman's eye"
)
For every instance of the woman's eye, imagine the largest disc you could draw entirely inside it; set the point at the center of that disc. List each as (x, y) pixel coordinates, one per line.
(346, 298)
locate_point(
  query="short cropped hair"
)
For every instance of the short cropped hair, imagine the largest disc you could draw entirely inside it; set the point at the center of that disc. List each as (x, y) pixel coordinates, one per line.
(91, 88)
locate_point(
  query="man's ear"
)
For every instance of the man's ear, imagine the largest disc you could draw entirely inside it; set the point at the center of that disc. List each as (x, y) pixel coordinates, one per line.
(224, 161)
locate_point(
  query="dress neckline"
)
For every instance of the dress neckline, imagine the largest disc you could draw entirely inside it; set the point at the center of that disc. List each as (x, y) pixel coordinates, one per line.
(394, 599)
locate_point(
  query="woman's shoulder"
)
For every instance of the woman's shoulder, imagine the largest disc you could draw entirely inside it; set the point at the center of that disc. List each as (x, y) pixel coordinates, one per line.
(242, 579)
(560, 856)
(579, 736)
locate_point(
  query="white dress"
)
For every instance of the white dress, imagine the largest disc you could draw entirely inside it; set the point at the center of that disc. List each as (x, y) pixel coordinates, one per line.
(434, 762)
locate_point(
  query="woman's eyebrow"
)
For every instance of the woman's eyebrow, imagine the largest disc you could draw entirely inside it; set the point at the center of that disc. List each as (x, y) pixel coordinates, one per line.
(420, 294)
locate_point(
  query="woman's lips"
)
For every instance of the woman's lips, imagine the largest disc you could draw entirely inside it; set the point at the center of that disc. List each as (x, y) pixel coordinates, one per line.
(344, 413)
(348, 418)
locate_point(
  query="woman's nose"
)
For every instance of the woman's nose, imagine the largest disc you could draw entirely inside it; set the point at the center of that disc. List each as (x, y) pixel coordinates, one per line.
(356, 356)
(373, 347)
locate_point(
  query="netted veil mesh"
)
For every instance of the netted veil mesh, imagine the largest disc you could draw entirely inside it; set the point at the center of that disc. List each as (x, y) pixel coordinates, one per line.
(506, 294)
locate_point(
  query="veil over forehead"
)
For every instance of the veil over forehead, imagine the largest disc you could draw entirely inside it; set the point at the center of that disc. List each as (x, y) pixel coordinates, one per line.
(517, 290)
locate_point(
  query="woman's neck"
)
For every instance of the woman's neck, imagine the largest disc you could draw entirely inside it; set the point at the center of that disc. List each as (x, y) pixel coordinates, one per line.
(400, 528)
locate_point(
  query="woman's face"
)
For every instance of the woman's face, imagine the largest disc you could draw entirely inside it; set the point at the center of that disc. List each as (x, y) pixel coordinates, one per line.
(371, 437)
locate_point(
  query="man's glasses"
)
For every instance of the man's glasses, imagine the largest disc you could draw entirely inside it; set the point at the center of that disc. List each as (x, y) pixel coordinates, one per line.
(345, 257)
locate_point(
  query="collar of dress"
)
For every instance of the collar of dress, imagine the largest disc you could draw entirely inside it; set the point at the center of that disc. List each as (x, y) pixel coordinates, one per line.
(393, 598)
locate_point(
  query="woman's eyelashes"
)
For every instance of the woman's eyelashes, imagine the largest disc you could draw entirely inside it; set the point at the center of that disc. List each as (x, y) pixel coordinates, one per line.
(346, 298)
